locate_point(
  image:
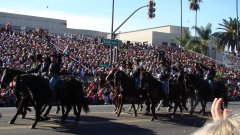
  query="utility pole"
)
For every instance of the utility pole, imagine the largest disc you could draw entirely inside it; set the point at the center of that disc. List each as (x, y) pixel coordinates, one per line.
(237, 46)
(151, 15)
(181, 18)
(112, 34)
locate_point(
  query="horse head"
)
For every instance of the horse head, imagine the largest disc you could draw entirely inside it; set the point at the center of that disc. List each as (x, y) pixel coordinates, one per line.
(8, 76)
(117, 78)
(145, 79)
(111, 74)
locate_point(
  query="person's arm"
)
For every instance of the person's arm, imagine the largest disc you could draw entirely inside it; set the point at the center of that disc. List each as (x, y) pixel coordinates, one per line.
(203, 67)
(36, 69)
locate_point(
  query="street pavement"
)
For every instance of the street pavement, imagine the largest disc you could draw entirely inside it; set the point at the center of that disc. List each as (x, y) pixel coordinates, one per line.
(102, 121)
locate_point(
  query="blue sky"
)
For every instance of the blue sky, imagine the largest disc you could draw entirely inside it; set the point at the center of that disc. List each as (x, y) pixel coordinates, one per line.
(96, 14)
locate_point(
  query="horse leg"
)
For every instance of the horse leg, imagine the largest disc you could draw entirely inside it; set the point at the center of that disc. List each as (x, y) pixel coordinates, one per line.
(130, 108)
(154, 103)
(48, 111)
(38, 115)
(79, 109)
(181, 109)
(43, 109)
(203, 103)
(120, 105)
(170, 106)
(65, 116)
(24, 110)
(159, 105)
(194, 106)
(134, 109)
(176, 104)
(58, 108)
(19, 110)
(141, 106)
(115, 101)
(75, 110)
(147, 106)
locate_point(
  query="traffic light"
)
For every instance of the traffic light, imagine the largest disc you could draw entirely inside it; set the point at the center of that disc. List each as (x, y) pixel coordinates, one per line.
(151, 9)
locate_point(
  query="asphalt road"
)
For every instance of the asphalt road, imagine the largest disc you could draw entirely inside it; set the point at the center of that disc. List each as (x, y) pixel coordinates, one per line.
(102, 121)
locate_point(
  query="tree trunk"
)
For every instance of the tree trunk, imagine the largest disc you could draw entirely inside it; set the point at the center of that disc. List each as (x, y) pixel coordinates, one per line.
(195, 23)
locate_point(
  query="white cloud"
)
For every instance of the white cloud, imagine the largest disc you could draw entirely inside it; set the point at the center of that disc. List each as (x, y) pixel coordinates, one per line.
(73, 21)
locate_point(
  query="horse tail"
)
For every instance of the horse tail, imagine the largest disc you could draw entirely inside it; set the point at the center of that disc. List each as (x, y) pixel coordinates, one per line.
(83, 98)
(85, 105)
(225, 96)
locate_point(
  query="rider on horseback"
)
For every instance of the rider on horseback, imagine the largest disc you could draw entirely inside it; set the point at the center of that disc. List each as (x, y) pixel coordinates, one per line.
(198, 71)
(54, 69)
(43, 71)
(123, 66)
(211, 73)
(164, 78)
(129, 69)
(36, 63)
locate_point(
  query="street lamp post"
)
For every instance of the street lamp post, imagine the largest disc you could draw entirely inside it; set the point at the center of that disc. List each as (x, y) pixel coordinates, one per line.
(237, 46)
(181, 18)
(112, 34)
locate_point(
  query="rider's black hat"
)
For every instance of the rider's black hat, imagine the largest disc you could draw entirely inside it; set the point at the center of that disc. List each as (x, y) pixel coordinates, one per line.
(53, 54)
(39, 56)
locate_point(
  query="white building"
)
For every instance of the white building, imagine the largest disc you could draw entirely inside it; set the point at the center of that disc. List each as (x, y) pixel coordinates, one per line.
(54, 26)
(163, 35)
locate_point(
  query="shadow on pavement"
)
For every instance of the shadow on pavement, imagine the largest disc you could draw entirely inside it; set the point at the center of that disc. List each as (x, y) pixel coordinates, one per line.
(90, 125)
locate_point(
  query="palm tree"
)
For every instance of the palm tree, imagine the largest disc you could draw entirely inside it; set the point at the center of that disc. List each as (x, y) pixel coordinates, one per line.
(194, 5)
(204, 37)
(185, 39)
(227, 38)
(197, 44)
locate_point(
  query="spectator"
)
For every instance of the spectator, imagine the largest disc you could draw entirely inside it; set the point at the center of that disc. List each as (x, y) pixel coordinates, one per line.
(223, 123)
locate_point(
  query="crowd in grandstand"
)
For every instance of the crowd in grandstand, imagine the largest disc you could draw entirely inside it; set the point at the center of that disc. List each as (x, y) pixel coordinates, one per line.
(87, 53)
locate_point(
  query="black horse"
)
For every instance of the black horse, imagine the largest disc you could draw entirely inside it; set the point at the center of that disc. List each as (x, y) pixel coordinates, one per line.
(34, 87)
(37, 88)
(70, 94)
(153, 93)
(204, 94)
(18, 93)
(126, 88)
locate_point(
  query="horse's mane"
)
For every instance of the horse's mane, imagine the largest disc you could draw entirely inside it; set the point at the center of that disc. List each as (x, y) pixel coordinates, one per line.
(17, 72)
(151, 77)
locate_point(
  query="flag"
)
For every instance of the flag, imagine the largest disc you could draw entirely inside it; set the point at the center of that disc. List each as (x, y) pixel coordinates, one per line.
(66, 50)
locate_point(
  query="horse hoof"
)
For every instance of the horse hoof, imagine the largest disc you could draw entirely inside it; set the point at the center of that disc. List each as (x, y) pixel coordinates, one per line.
(29, 109)
(169, 109)
(191, 112)
(23, 117)
(32, 127)
(172, 117)
(47, 118)
(152, 119)
(10, 122)
(146, 113)
(185, 108)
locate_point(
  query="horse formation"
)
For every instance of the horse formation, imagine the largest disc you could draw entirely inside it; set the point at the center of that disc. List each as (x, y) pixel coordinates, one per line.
(34, 90)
